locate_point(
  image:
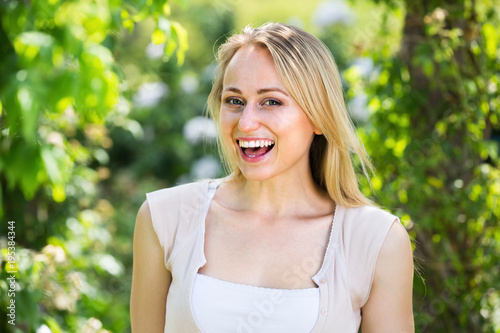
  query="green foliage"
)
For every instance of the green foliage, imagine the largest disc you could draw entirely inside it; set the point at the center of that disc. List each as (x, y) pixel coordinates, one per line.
(62, 89)
(435, 109)
(61, 66)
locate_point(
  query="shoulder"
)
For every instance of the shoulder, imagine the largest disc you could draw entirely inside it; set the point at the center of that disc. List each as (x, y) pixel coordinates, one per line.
(174, 212)
(143, 222)
(143, 219)
(361, 231)
(185, 197)
(383, 229)
(396, 251)
(364, 226)
(397, 239)
(178, 191)
(366, 215)
(168, 203)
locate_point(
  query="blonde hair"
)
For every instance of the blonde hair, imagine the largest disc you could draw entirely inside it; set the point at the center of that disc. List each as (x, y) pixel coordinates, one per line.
(310, 75)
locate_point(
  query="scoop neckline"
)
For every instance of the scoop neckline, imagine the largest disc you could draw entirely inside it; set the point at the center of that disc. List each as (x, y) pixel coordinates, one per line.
(252, 288)
(213, 185)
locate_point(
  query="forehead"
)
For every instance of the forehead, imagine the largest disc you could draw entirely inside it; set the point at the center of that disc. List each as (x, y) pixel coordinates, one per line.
(251, 52)
(251, 65)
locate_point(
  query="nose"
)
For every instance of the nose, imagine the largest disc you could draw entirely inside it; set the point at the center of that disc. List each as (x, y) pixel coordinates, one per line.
(249, 120)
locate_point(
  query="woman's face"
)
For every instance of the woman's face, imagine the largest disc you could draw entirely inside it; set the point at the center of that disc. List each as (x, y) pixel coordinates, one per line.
(264, 129)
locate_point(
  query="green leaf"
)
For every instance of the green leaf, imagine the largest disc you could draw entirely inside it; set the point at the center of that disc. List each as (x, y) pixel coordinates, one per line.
(53, 325)
(491, 36)
(29, 112)
(182, 41)
(53, 161)
(29, 45)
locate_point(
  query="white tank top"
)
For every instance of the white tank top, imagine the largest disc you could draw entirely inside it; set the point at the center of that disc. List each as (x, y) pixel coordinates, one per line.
(223, 307)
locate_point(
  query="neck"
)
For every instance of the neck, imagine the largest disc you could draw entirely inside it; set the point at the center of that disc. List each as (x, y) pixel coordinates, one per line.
(282, 197)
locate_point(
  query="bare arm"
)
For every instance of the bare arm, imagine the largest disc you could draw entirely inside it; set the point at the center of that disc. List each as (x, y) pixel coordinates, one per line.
(150, 278)
(389, 307)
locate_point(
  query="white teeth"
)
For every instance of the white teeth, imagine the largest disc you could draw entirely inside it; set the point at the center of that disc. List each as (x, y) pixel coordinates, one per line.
(255, 143)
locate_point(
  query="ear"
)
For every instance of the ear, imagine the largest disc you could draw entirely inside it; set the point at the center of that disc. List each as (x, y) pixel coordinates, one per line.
(317, 131)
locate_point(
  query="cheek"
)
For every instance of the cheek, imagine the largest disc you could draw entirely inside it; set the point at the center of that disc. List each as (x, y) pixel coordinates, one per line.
(299, 132)
(226, 118)
(299, 122)
(226, 125)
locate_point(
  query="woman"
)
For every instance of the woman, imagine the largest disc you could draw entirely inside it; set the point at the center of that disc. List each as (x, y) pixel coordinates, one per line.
(287, 242)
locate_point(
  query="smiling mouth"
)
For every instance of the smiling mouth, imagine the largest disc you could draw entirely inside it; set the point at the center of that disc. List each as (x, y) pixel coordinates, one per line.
(255, 148)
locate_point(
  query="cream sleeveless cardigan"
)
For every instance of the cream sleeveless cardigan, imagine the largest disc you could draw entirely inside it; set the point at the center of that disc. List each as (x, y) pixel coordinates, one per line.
(344, 280)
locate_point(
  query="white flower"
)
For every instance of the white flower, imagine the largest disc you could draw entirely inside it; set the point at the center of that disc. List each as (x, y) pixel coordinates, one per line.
(358, 107)
(155, 51)
(205, 167)
(43, 329)
(92, 325)
(123, 106)
(189, 83)
(63, 301)
(328, 13)
(56, 252)
(199, 128)
(149, 94)
(364, 66)
(56, 139)
(109, 263)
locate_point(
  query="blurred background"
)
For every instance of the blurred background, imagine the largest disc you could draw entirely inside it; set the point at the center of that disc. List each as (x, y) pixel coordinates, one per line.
(102, 101)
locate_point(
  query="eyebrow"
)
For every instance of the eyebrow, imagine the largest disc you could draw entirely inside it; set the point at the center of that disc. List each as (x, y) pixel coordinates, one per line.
(260, 91)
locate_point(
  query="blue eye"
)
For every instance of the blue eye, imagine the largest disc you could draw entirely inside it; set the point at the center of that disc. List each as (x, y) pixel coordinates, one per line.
(234, 101)
(272, 102)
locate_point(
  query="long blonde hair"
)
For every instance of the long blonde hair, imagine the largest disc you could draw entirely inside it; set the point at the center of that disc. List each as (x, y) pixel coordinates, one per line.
(310, 74)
